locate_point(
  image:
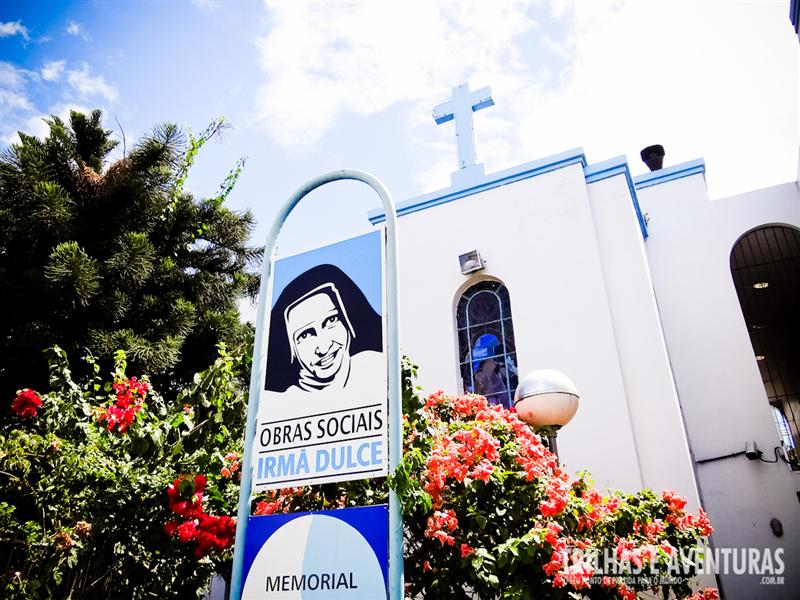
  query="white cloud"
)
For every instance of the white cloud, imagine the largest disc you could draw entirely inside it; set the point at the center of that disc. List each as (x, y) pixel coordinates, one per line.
(87, 85)
(643, 73)
(37, 126)
(14, 78)
(722, 84)
(52, 69)
(14, 28)
(11, 100)
(76, 29)
(323, 60)
(19, 113)
(33, 126)
(15, 105)
(717, 80)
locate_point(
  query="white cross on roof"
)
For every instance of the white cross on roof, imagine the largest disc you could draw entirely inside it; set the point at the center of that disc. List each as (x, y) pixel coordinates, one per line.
(459, 109)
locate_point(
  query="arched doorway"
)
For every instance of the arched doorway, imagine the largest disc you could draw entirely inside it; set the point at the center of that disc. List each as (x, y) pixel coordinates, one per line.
(765, 264)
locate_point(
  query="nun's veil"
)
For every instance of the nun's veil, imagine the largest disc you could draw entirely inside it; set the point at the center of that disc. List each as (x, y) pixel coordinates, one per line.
(282, 370)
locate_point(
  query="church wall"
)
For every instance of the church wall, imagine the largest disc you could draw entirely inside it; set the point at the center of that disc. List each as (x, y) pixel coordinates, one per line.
(538, 237)
(718, 382)
(656, 419)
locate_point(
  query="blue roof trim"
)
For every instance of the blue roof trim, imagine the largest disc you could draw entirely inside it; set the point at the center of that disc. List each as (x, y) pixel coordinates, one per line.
(608, 168)
(531, 169)
(693, 167)
(794, 15)
(611, 168)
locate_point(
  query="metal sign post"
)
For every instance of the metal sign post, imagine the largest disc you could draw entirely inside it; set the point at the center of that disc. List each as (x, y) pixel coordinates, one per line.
(258, 374)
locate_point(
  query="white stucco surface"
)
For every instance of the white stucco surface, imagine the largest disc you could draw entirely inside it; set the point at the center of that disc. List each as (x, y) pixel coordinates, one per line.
(650, 393)
(718, 381)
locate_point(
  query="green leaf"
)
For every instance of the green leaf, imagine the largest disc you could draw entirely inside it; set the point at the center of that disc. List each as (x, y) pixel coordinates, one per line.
(70, 270)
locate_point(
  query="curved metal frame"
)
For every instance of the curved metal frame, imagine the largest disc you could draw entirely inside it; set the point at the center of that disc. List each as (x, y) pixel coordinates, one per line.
(258, 374)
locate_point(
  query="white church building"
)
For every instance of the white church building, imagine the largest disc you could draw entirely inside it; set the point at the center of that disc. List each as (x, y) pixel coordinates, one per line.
(675, 316)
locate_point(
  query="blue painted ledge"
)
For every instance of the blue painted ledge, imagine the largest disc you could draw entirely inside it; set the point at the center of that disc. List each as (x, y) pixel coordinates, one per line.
(608, 168)
(531, 169)
(693, 167)
(611, 168)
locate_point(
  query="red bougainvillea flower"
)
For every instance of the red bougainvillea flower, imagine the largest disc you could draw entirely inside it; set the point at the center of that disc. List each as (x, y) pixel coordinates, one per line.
(465, 453)
(26, 403)
(130, 394)
(210, 533)
(654, 529)
(187, 531)
(681, 519)
(439, 524)
(557, 491)
(278, 501)
(130, 391)
(170, 527)
(215, 534)
(673, 500)
(267, 508)
(231, 465)
(185, 496)
(117, 418)
(470, 448)
(553, 529)
(579, 574)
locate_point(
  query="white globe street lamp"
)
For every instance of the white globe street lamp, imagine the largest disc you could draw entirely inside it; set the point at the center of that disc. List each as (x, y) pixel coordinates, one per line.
(546, 399)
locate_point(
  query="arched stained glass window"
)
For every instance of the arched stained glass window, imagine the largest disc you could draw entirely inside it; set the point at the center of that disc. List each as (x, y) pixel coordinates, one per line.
(486, 351)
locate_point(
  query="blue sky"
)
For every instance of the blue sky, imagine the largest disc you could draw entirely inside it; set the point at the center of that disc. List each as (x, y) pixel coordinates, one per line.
(313, 87)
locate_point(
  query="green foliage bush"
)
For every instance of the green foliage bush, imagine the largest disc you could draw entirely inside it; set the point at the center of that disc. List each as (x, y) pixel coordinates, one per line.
(64, 472)
(85, 510)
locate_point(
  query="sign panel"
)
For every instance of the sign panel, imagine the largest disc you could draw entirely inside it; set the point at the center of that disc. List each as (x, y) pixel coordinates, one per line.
(323, 412)
(336, 554)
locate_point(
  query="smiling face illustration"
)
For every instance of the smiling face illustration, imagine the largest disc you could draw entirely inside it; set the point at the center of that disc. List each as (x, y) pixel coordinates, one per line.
(320, 339)
(320, 334)
(322, 325)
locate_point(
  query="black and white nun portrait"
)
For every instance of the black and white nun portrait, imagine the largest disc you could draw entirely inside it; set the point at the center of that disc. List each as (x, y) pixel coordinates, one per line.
(324, 337)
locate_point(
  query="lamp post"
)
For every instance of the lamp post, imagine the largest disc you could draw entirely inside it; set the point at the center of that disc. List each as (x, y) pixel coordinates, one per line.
(547, 400)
